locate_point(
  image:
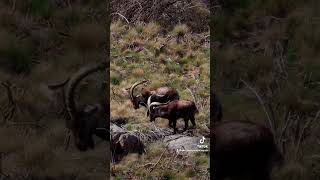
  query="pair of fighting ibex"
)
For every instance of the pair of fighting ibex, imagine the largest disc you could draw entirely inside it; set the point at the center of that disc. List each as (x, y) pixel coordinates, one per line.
(164, 102)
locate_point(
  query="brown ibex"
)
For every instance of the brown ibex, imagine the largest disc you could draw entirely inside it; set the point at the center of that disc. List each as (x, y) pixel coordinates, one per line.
(161, 94)
(243, 149)
(89, 120)
(173, 111)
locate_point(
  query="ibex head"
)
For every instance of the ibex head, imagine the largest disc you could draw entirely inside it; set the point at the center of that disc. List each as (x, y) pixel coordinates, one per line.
(83, 122)
(153, 109)
(136, 100)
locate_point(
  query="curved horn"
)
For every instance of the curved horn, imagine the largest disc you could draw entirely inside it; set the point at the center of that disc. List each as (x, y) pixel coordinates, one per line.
(160, 95)
(134, 86)
(72, 85)
(58, 85)
(149, 100)
(148, 104)
(156, 104)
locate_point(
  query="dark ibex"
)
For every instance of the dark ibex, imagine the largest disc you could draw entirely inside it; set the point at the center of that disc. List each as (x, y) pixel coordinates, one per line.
(89, 120)
(173, 111)
(243, 149)
(161, 94)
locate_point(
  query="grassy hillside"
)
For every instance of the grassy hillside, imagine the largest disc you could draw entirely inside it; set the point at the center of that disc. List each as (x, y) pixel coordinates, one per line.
(166, 57)
(44, 42)
(270, 50)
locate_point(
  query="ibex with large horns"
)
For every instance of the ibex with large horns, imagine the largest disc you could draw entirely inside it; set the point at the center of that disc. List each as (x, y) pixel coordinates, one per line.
(161, 94)
(89, 120)
(173, 111)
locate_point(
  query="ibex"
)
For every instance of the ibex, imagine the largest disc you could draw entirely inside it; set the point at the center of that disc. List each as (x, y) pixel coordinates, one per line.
(173, 111)
(89, 120)
(243, 149)
(161, 94)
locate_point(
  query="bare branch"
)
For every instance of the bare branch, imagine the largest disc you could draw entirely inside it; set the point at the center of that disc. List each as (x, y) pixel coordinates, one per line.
(155, 165)
(67, 140)
(121, 16)
(306, 125)
(194, 99)
(262, 104)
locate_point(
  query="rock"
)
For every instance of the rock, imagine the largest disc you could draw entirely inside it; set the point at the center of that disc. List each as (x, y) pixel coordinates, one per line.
(115, 129)
(186, 144)
(123, 143)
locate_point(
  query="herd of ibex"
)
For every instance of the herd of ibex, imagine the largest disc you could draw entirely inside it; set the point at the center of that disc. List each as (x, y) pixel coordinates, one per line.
(240, 148)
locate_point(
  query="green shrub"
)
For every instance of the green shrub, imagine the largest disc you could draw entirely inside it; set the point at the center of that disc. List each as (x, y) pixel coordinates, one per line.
(119, 178)
(115, 79)
(168, 175)
(190, 173)
(185, 60)
(173, 68)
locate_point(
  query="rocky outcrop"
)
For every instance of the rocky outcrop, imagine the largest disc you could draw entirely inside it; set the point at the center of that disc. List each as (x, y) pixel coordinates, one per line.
(115, 129)
(125, 142)
(183, 144)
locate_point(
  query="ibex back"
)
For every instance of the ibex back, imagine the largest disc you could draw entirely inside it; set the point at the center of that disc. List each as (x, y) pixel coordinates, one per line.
(161, 94)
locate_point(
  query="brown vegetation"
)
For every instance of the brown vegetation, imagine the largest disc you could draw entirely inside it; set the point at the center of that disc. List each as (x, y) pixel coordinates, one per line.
(167, 13)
